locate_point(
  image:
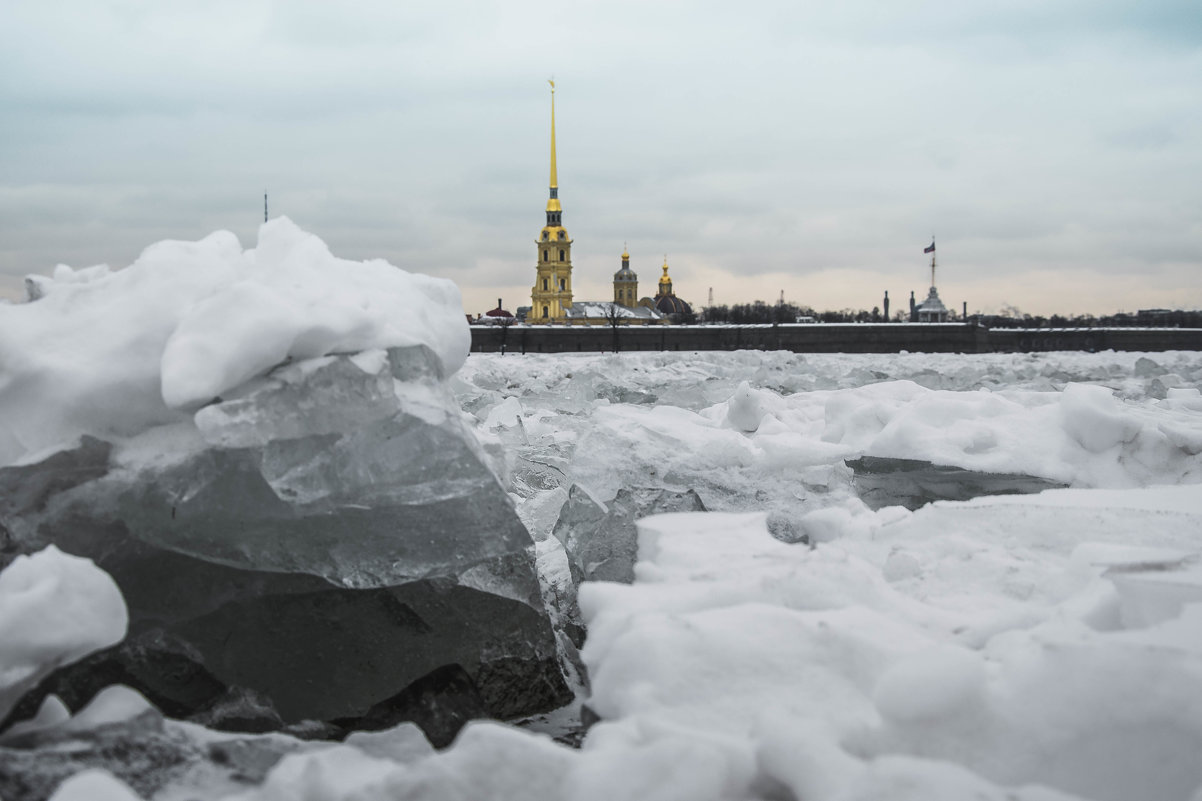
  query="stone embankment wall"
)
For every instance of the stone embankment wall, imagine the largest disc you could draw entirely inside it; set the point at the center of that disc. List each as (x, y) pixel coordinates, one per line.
(828, 338)
(1094, 339)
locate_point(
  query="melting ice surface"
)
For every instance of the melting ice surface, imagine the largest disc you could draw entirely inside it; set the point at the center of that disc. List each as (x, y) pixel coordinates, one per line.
(792, 643)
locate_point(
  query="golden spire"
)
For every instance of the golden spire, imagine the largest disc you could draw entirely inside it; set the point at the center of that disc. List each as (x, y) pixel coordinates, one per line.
(554, 178)
(664, 279)
(553, 201)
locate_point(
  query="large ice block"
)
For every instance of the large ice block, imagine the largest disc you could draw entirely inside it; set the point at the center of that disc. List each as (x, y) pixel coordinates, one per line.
(325, 536)
(912, 483)
(601, 540)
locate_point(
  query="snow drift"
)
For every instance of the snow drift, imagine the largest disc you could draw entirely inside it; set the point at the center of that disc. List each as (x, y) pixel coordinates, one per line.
(111, 353)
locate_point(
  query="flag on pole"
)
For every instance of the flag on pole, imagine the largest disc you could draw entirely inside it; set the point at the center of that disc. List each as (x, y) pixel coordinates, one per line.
(931, 249)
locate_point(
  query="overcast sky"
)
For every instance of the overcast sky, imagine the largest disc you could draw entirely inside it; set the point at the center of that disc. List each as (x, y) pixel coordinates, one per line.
(1054, 147)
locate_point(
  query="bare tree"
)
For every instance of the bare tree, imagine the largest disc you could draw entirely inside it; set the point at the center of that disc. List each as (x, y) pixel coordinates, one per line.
(615, 320)
(505, 323)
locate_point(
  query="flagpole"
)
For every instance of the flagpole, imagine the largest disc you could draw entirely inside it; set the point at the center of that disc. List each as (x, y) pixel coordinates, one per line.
(932, 260)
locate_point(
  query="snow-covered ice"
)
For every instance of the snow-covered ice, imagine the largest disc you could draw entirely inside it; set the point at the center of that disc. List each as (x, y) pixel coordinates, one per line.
(998, 664)
(1001, 648)
(1032, 647)
(793, 643)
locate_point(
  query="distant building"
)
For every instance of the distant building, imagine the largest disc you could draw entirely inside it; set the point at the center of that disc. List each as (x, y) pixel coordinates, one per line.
(626, 284)
(497, 316)
(1154, 317)
(623, 310)
(665, 300)
(932, 309)
(603, 312)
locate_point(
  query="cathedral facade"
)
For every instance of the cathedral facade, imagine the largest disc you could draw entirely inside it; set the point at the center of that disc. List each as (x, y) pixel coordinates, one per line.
(551, 299)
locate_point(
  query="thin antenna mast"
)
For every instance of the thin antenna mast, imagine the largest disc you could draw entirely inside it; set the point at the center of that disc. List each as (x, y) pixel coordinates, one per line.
(264, 207)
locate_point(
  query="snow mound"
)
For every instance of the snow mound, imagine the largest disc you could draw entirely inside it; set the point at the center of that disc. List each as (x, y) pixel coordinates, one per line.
(94, 785)
(113, 353)
(747, 407)
(54, 609)
(1083, 435)
(1055, 645)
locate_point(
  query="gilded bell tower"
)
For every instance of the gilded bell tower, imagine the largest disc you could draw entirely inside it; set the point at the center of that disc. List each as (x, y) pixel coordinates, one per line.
(552, 293)
(665, 281)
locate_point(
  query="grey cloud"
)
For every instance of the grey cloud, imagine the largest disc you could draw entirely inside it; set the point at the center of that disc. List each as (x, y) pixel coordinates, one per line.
(770, 136)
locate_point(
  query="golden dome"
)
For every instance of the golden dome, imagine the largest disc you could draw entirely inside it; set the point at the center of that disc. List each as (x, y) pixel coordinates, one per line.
(664, 279)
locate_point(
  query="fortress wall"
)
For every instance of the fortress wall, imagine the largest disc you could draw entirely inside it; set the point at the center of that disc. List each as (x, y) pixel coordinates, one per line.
(1012, 340)
(828, 338)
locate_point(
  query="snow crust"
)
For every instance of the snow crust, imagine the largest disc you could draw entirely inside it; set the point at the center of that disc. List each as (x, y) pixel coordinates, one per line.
(1040, 647)
(1003, 651)
(112, 353)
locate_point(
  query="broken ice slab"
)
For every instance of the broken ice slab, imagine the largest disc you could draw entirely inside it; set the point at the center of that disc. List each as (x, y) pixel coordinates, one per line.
(1151, 594)
(601, 540)
(440, 703)
(600, 543)
(331, 533)
(537, 470)
(395, 500)
(1153, 584)
(319, 650)
(357, 469)
(325, 395)
(883, 481)
(26, 491)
